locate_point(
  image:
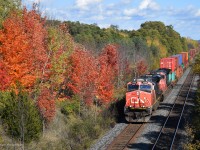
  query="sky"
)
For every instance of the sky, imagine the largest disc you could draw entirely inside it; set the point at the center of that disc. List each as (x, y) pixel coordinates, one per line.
(183, 15)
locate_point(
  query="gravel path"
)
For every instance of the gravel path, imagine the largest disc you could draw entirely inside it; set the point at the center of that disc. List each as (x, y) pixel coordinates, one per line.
(151, 129)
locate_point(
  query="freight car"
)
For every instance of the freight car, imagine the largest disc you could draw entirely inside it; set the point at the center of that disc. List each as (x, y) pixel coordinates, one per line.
(146, 92)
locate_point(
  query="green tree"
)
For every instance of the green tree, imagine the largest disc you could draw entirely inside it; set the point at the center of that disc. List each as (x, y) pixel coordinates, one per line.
(6, 7)
(19, 115)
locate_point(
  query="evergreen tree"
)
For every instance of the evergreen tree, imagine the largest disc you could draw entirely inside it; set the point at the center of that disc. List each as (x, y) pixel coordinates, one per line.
(20, 116)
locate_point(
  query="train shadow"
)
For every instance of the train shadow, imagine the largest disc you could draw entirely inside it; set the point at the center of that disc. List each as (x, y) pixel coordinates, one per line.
(165, 106)
(152, 132)
(151, 137)
(118, 111)
(139, 146)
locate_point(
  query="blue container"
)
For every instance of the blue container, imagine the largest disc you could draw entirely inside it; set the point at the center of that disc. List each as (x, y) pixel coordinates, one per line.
(173, 76)
(180, 58)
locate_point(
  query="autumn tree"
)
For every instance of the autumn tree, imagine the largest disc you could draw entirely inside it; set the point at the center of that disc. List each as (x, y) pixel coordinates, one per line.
(46, 104)
(83, 74)
(23, 48)
(108, 71)
(141, 67)
(6, 7)
(60, 45)
(4, 77)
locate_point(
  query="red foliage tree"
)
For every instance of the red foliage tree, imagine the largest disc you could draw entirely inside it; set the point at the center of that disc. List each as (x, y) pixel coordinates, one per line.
(4, 78)
(23, 47)
(141, 67)
(83, 74)
(46, 104)
(108, 71)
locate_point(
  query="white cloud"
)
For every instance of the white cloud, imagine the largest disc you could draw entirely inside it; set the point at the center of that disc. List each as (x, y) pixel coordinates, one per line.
(197, 14)
(34, 1)
(130, 12)
(104, 25)
(123, 18)
(141, 10)
(126, 1)
(83, 4)
(97, 17)
(110, 12)
(148, 4)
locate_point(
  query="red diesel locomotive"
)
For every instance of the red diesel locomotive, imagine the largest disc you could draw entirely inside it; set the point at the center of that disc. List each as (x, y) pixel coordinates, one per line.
(146, 92)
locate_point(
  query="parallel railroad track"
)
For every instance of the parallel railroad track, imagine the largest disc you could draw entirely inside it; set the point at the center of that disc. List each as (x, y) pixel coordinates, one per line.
(122, 140)
(169, 129)
(167, 135)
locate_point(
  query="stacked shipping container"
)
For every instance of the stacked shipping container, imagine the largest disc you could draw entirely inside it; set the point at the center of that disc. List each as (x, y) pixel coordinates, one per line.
(179, 70)
(185, 59)
(177, 63)
(169, 63)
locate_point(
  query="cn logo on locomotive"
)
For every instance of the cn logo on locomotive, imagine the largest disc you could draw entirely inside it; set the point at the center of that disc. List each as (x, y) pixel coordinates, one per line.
(136, 100)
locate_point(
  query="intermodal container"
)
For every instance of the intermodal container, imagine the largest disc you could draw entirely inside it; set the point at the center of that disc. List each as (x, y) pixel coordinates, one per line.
(180, 59)
(176, 61)
(169, 63)
(173, 76)
(179, 72)
(185, 57)
(169, 78)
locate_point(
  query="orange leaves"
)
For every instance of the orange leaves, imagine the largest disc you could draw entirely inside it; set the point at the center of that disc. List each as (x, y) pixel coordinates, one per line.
(83, 74)
(46, 104)
(92, 77)
(108, 62)
(25, 56)
(13, 48)
(23, 47)
(109, 57)
(141, 67)
(4, 78)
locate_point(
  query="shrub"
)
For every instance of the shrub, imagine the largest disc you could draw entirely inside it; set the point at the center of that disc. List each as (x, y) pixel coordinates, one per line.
(70, 106)
(19, 115)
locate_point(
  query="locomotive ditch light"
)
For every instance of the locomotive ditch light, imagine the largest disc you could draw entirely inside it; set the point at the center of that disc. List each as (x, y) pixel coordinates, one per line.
(134, 80)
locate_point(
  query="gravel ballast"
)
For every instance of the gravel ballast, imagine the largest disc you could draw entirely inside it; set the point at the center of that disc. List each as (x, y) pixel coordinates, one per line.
(151, 129)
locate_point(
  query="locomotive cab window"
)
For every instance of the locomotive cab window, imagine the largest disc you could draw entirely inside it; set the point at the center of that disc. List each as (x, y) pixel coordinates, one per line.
(146, 88)
(132, 87)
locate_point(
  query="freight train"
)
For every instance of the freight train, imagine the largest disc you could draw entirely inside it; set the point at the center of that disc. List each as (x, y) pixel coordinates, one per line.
(146, 92)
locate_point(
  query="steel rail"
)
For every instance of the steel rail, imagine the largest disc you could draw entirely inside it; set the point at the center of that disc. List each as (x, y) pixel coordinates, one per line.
(161, 131)
(123, 139)
(181, 114)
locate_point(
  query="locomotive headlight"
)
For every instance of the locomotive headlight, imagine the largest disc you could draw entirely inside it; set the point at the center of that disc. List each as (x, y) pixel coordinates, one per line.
(137, 93)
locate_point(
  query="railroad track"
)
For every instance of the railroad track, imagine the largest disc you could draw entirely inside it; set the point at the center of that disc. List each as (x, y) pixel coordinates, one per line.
(122, 140)
(167, 135)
